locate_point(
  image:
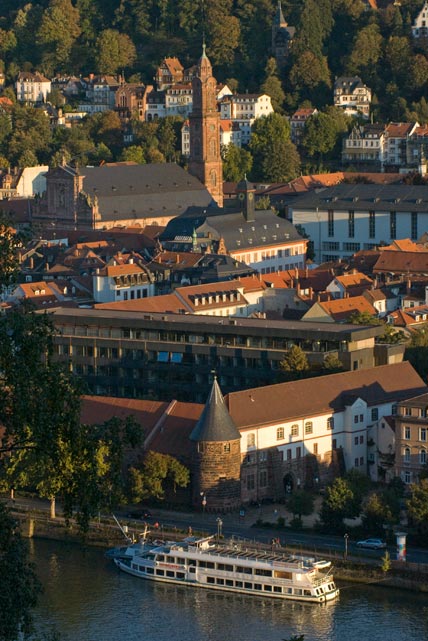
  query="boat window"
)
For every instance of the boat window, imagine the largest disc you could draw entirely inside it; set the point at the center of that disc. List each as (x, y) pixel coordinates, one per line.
(223, 566)
(238, 584)
(160, 557)
(170, 559)
(202, 564)
(257, 586)
(160, 572)
(229, 582)
(170, 573)
(220, 581)
(244, 569)
(192, 562)
(277, 588)
(249, 586)
(141, 568)
(150, 571)
(180, 575)
(192, 568)
(210, 579)
(267, 588)
(261, 572)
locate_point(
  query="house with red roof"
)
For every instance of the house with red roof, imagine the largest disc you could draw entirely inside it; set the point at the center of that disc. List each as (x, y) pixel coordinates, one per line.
(339, 310)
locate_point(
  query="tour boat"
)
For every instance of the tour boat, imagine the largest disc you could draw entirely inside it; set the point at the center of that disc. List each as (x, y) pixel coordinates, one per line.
(234, 567)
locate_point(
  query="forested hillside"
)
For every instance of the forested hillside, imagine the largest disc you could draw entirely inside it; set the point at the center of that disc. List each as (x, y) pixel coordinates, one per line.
(333, 37)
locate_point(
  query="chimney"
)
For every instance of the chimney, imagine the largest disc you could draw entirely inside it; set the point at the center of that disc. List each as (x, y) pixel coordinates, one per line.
(408, 287)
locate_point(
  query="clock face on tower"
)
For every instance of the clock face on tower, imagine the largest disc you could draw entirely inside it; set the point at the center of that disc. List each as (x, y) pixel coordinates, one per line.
(241, 196)
(250, 196)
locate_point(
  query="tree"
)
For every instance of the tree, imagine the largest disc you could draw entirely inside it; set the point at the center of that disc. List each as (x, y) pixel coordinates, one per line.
(58, 31)
(366, 51)
(134, 153)
(376, 513)
(19, 586)
(114, 51)
(336, 504)
(417, 505)
(323, 133)
(157, 472)
(275, 158)
(332, 363)
(272, 86)
(295, 362)
(300, 503)
(237, 162)
(363, 318)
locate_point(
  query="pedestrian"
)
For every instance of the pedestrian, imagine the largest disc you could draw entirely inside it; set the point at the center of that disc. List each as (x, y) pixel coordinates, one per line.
(156, 525)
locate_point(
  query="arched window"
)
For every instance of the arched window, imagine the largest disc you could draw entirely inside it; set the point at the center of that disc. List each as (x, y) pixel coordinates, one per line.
(213, 178)
(251, 440)
(407, 455)
(423, 457)
(309, 428)
(279, 433)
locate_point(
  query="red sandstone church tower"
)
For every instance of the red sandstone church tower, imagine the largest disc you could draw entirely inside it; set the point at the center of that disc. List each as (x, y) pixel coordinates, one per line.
(205, 161)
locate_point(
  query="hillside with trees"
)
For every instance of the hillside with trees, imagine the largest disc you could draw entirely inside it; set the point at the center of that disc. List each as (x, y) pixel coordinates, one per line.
(332, 38)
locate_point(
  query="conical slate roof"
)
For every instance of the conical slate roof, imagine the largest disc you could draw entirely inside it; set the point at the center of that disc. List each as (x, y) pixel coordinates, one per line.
(279, 16)
(215, 422)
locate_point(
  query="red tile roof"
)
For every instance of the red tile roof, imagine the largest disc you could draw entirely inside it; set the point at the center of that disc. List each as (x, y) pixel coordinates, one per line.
(316, 396)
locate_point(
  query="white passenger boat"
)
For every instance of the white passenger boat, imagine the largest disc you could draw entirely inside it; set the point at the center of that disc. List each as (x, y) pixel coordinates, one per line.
(234, 567)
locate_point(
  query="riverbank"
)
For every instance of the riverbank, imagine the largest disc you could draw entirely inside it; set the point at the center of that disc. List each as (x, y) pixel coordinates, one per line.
(104, 533)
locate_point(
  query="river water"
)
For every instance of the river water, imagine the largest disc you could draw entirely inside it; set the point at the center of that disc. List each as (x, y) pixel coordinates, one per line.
(87, 599)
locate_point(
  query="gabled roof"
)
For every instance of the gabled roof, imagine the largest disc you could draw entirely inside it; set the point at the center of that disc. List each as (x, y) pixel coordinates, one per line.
(342, 308)
(402, 262)
(167, 304)
(349, 281)
(215, 423)
(275, 404)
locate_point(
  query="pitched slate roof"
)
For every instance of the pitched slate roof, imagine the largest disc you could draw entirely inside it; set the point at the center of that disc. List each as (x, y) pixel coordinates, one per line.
(399, 198)
(143, 191)
(215, 422)
(238, 234)
(275, 404)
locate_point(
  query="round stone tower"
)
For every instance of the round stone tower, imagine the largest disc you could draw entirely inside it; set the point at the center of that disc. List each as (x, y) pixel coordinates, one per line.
(216, 468)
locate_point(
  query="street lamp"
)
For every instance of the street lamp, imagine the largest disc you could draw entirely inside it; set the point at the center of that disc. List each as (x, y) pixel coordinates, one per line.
(346, 537)
(219, 528)
(204, 501)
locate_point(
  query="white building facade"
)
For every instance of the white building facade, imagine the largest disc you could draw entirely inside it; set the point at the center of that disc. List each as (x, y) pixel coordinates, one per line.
(344, 219)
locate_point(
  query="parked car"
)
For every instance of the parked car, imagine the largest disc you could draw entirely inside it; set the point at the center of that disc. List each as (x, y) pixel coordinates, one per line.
(372, 544)
(144, 515)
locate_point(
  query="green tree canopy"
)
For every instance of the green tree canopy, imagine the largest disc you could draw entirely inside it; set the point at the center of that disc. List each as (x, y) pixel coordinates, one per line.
(114, 51)
(275, 158)
(237, 162)
(19, 586)
(155, 475)
(295, 362)
(59, 29)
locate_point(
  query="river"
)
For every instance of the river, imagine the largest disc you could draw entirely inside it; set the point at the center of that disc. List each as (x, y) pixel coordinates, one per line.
(87, 599)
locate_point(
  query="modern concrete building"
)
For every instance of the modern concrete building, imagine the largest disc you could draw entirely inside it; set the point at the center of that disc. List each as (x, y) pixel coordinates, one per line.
(166, 356)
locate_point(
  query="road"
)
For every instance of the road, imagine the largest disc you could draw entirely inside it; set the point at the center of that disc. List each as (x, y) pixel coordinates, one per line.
(245, 527)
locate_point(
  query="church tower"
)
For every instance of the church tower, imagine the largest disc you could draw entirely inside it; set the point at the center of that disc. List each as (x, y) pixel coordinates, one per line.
(216, 467)
(204, 122)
